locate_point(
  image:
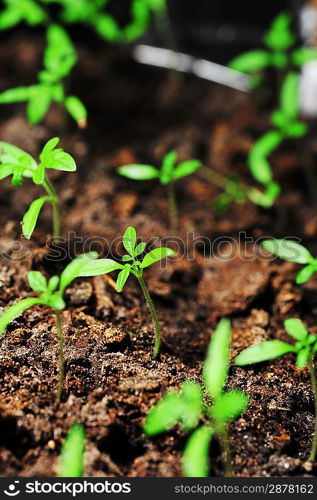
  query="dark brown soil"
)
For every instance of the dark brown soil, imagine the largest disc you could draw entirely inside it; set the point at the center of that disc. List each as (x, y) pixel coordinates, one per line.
(111, 378)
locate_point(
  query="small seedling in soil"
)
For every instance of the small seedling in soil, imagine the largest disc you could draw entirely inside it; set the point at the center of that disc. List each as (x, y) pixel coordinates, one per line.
(167, 175)
(293, 252)
(59, 59)
(285, 119)
(187, 407)
(19, 164)
(135, 267)
(16, 11)
(51, 295)
(304, 348)
(278, 40)
(71, 462)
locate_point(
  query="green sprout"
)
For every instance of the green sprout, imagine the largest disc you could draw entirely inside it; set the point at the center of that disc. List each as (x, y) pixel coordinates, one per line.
(19, 164)
(135, 267)
(50, 295)
(285, 119)
(304, 348)
(71, 462)
(293, 252)
(278, 40)
(167, 175)
(17, 11)
(59, 58)
(187, 407)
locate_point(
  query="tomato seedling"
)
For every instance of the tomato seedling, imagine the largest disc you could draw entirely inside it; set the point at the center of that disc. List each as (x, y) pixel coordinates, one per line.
(304, 348)
(71, 461)
(167, 175)
(17, 11)
(51, 295)
(135, 267)
(187, 407)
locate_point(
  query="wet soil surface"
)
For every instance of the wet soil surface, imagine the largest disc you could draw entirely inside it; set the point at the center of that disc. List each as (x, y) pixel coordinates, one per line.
(111, 379)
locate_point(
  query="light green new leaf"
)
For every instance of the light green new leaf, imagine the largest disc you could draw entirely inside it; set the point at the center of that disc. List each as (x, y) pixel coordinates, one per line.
(288, 250)
(37, 281)
(167, 167)
(76, 268)
(156, 255)
(77, 110)
(185, 168)
(302, 357)
(249, 62)
(289, 95)
(196, 454)
(216, 366)
(306, 273)
(53, 283)
(260, 168)
(122, 278)
(99, 267)
(38, 104)
(229, 406)
(31, 216)
(303, 55)
(59, 160)
(71, 463)
(192, 398)
(129, 240)
(263, 352)
(6, 170)
(19, 94)
(139, 249)
(48, 148)
(296, 328)
(13, 155)
(139, 172)
(14, 311)
(165, 414)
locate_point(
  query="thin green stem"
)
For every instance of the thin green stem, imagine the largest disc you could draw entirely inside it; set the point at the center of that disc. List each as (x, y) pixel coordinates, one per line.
(55, 205)
(172, 208)
(61, 374)
(156, 325)
(226, 448)
(314, 387)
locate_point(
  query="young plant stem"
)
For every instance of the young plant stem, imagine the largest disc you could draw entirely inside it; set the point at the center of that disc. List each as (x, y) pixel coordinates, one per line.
(156, 325)
(61, 374)
(314, 387)
(225, 443)
(55, 204)
(172, 208)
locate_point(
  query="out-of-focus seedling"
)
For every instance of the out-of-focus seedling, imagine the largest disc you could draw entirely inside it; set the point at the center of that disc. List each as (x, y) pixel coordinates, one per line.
(72, 458)
(16, 11)
(135, 267)
(59, 59)
(293, 252)
(285, 119)
(279, 39)
(19, 164)
(50, 295)
(167, 175)
(304, 348)
(187, 407)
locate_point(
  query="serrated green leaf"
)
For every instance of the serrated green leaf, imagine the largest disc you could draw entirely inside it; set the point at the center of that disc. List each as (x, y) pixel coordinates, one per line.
(129, 240)
(288, 250)
(263, 352)
(139, 172)
(305, 274)
(99, 267)
(15, 310)
(216, 365)
(71, 463)
(156, 255)
(229, 406)
(255, 60)
(296, 328)
(196, 453)
(37, 281)
(31, 216)
(122, 278)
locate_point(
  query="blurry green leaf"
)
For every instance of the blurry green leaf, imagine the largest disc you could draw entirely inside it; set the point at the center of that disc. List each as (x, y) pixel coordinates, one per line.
(56, 158)
(305, 274)
(56, 301)
(60, 55)
(71, 463)
(288, 250)
(18, 94)
(156, 255)
(37, 281)
(139, 172)
(196, 453)
(192, 398)
(167, 167)
(302, 357)
(165, 414)
(263, 352)
(249, 62)
(280, 37)
(75, 269)
(185, 168)
(53, 283)
(107, 27)
(258, 163)
(216, 366)
(31, 216)
(229, 406)
(289, 95)
(296, 328)
(304, 55)
(77, 110)
(122, 278)
(296, 129)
